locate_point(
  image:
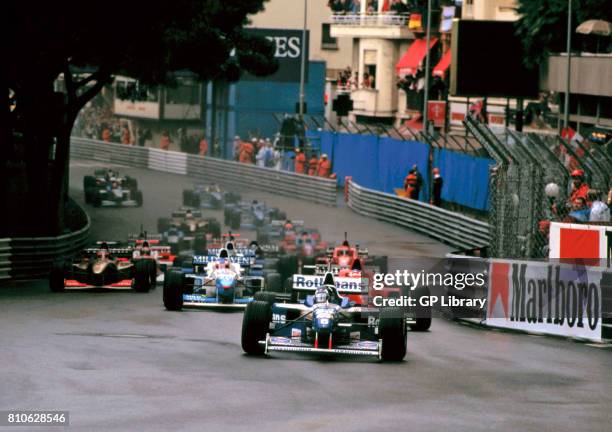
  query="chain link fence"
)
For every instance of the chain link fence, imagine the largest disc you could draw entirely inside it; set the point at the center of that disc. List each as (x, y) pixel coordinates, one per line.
(530, 185)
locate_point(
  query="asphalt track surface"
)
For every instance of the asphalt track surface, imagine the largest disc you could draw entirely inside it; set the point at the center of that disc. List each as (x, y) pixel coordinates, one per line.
(119, 361)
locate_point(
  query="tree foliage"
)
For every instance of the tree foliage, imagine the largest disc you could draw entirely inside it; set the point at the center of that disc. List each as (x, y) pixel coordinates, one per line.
(542, 26)
(145, 40)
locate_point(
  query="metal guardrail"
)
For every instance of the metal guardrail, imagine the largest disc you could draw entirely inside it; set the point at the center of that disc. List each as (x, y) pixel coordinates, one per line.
(451, 228)
(5, 258)
(314, 189)
(370, 19)
(30, 258)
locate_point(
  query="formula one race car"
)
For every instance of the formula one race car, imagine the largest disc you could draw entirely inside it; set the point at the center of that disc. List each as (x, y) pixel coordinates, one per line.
(208, 196)
(222, 280)
(344, 255)
(190, 222)
(104, 266)
(325, 322)
(250, 215)
(146, 246)
(106, 188)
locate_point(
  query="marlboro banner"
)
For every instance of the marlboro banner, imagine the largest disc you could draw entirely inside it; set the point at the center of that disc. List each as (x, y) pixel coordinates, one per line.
(551, 298)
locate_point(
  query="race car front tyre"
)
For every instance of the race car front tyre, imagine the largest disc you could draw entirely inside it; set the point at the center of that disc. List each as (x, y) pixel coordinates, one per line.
(274, 283)
(152, 272)
(265, 296)
(56, 278)
(392, 331)
(142, 278)
(173, 290)
(281, 215)
(131, 183)
(89, 182)
(255, 325)
(270, 263)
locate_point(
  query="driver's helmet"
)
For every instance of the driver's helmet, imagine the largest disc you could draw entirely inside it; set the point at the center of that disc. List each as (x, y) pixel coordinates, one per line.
(188, 214)
(321, 295)
(223, 253)
(221, 264)
(288, 225)
(103, 252)
(115, 184)
(145, 249)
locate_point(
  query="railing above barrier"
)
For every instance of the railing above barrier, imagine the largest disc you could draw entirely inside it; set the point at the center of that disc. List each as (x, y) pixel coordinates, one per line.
(28, 258)
(451, 228)
(230, 173)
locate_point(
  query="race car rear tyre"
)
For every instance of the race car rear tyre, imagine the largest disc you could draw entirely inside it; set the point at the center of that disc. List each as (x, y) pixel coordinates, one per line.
(214, 228)
(187, 197)
(255, 325)
(288, 266)
(392, 331)
(265, 296)
(96, 200)
(235, 221)
(199, 246)
(173, 290)
(56, 278)
(138, 198)
(89, 182)
(142, 278)
(152, 272)
(274, 283)
(163, 225)
(131, 183)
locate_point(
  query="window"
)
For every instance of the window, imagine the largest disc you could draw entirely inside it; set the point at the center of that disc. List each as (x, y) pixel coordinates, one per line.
(327, 41)
(186, 92)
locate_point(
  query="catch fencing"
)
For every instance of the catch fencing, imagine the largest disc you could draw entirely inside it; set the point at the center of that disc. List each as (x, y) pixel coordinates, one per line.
(526, 163)
(207, 169)
(454, 229)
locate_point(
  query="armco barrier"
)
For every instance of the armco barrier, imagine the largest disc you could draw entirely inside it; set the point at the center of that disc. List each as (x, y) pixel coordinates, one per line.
(5, 258)
(30, 258)
(315, 189)
(451, 228)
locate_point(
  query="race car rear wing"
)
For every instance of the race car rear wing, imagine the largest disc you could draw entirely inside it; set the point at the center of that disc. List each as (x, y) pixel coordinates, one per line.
(117, 251)
(280, 223)
(344, 285)
(205, 259)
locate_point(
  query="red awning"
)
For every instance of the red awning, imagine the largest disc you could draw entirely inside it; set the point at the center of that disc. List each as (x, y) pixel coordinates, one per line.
(411, 59)
(443, 64)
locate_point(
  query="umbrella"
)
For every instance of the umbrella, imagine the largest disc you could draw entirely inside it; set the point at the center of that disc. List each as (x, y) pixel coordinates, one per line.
(596, 27)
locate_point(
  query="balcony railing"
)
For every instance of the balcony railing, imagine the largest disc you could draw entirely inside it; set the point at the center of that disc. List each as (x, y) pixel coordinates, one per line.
(371, 19)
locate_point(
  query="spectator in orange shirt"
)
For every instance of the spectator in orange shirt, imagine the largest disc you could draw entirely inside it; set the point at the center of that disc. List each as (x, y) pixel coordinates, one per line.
(125, 135)
(324, 167)
(579, 188)
(300, 161)
(106, 135)
(164, 142)
(203, 146)
(247, 151)
(312, 165)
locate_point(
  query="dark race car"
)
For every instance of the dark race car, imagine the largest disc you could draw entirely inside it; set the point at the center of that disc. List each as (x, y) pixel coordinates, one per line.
(250, 215)
(325, 322)
(104, 266)
(208, 196)
(106, 188)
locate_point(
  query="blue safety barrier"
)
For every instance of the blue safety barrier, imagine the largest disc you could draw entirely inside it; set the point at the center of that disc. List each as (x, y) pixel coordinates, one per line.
(466, 178)
(382, 163)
